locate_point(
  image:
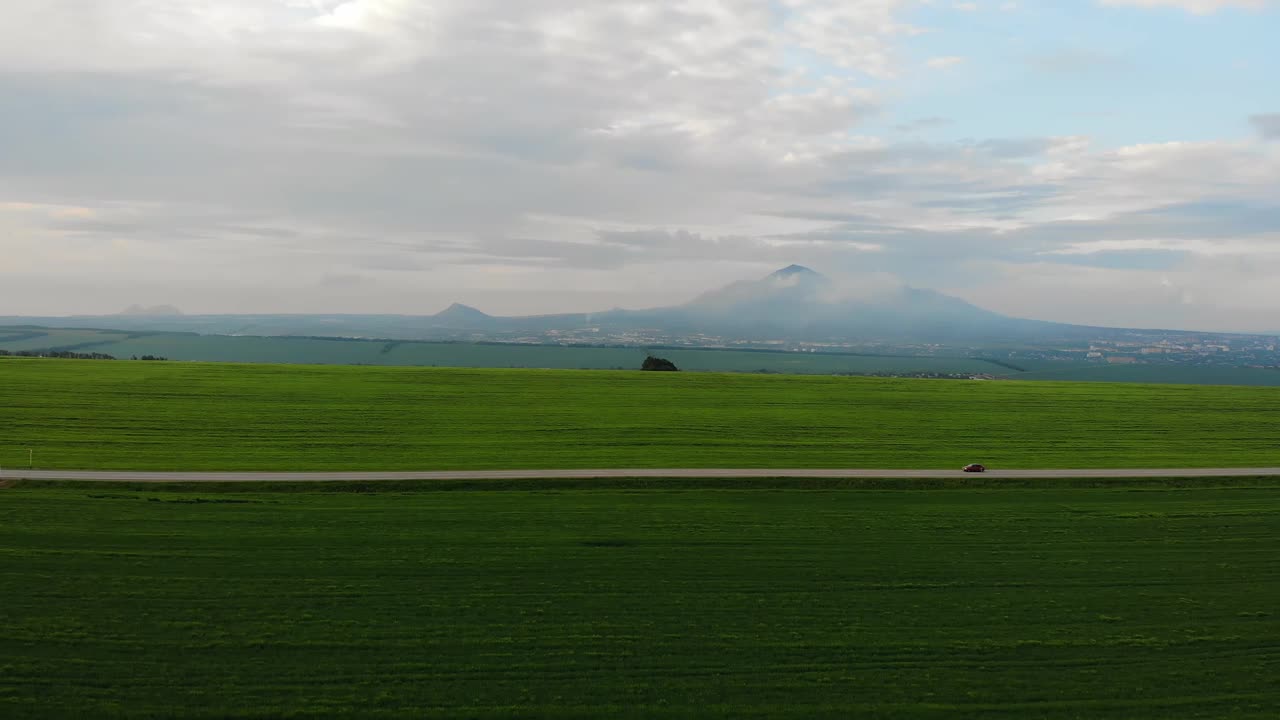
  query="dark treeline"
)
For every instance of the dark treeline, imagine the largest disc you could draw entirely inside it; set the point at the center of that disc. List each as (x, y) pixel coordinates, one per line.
(70, 355)
(64, 354)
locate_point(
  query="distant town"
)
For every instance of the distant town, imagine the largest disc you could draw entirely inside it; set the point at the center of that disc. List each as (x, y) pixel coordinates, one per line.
(1111, 347)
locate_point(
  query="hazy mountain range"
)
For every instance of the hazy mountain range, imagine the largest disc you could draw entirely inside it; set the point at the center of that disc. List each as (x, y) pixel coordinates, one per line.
(794, 303)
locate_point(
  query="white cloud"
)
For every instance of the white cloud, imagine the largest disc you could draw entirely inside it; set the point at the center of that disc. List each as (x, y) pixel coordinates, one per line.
(1209, 247)
(942, 63)
(1199, 7)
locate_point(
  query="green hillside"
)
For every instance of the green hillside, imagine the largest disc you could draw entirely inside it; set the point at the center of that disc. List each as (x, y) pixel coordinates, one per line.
(17, 339)
(191, 416)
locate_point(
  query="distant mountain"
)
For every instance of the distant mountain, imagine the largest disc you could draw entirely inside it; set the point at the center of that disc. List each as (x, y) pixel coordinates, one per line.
(800, 303)
(151, 311)
(462, 316)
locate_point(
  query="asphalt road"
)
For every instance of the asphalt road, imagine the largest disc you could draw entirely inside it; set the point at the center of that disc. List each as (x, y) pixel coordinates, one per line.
(164, 477)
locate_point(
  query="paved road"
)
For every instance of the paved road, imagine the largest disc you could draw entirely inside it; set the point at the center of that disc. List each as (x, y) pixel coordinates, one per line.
(163, 477)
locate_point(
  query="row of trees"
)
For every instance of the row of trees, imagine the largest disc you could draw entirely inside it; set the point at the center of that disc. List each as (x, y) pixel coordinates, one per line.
(70, 355)
(66, 354)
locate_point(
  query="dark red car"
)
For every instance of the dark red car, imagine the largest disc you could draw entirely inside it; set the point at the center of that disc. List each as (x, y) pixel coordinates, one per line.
(975, 467)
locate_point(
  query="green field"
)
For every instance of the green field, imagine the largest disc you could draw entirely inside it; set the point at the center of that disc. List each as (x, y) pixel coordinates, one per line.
(189, 416)
(1187, 374)
(1058, 602)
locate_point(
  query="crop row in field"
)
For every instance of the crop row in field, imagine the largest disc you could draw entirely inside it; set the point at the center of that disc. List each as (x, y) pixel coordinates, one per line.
(1047, 603)
(189, 416)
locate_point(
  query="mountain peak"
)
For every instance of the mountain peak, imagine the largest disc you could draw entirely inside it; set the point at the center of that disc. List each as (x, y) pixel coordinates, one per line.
(459, 307)
(463, 314)
(463, 310)
(793, 270)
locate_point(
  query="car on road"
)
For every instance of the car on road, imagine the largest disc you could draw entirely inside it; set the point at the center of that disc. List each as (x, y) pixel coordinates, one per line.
(974, 467)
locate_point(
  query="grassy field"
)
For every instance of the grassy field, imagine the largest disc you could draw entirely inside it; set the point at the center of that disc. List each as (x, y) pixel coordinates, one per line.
(1056, 602)
(1188, 374)
(188, 416)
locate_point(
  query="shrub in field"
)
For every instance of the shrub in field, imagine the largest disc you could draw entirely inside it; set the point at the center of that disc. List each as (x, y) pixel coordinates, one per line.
(657, 363)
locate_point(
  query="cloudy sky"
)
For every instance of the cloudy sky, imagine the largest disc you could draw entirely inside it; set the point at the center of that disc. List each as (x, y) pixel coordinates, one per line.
(1100, 161)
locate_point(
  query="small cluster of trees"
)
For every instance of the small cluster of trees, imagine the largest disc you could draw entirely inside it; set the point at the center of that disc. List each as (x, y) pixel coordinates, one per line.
(148, 357)
(657, 363)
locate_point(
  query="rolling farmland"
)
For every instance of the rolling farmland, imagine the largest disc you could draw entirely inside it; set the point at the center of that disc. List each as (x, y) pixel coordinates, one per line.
(346, 351)
(716, 597)
(351, 351)
(189, 416)
(1056, 602)
(17, 339)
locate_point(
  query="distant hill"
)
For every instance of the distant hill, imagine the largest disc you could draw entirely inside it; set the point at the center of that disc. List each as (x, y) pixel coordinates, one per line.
(462, 316)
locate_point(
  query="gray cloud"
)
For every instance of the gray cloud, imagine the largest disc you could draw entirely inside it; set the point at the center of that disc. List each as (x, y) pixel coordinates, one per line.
(345, 280)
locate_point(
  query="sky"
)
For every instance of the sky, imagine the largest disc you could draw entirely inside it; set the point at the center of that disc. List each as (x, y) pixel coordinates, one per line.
(1111, 162)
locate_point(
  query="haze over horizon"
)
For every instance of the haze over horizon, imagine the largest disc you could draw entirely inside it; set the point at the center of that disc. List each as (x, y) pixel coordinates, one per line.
(1099, 162)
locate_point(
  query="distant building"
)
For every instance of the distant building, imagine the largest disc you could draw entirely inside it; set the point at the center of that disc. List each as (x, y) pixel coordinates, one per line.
(1121, 360)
